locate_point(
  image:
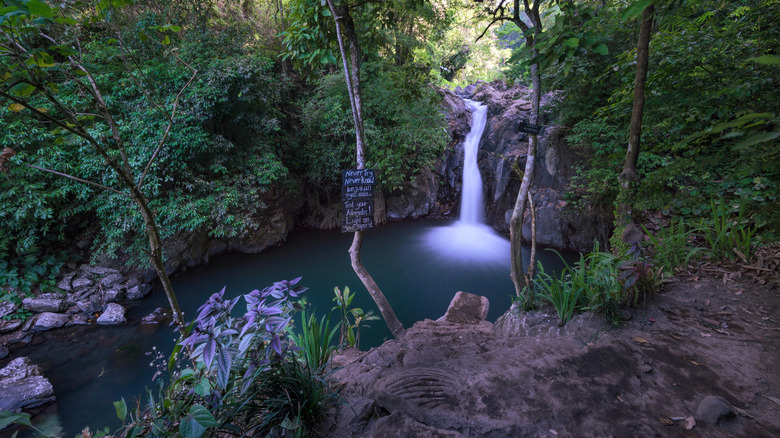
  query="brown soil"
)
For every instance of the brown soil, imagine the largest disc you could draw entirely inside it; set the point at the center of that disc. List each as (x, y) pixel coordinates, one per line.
(700, 336)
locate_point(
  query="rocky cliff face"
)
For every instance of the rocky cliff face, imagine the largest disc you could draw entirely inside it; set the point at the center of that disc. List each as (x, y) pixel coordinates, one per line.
(502, 146)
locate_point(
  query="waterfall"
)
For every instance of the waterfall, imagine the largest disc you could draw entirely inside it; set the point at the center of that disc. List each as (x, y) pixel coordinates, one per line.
(469, 239)
(471, 208)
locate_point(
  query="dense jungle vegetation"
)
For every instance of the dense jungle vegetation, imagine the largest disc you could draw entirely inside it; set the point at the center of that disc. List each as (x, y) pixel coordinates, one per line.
(267, 118)
(217, 113)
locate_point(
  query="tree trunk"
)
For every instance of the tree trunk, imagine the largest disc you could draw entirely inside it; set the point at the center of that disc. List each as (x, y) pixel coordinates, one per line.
(516, 223)
(352, 76)
(625, 229)
(635, 130)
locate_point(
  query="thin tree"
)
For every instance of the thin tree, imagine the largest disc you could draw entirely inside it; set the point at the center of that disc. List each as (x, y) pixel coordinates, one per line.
(526, 17)
(629, 178)
(345, 29)
(32, 88)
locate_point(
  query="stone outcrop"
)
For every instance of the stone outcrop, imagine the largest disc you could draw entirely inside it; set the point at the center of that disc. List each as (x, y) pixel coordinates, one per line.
(23, 387)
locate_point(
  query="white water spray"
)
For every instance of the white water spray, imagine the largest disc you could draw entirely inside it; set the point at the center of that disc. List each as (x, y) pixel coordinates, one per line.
(469, 239)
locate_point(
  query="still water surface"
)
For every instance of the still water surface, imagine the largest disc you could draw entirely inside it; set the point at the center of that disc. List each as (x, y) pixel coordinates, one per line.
(92, 367)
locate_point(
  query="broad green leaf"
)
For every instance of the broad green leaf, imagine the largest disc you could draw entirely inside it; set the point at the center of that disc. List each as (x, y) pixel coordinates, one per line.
(572, 42)
(66, 20)
(167, 40)
(40, 9)
(601, 49)
(766, 59)
(759, 138)
(22, 90)
(635, 9)
(121, 409)
(8, 418)
(203, 416)
(190, 428)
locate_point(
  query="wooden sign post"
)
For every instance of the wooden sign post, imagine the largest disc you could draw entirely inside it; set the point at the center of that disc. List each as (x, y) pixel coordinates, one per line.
(529, 128)
(357, 197)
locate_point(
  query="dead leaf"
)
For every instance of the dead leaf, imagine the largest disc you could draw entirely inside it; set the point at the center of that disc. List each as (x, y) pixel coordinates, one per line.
(739, 292)
(707, 302)
(689, 423)
(620, 398)
(692, 361)
(740, 254)
(697, 286)
(554, 432)
(725, 279)
(705, 335)
(743, 413)
(667, 421)
(640, 340)
(15, 107)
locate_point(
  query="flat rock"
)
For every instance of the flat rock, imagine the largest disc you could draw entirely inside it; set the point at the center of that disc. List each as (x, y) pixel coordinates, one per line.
(138, 292)
(39, 305)
(114, 314)
(23, 387)
(49, 320)
(466, 308)
(713, 409)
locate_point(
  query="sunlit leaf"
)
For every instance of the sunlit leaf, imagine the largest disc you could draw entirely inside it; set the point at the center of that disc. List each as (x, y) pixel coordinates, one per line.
(766, 59)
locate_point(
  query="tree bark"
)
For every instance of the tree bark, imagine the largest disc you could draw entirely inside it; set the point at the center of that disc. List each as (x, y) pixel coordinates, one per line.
(352, 76)
(516, 223)
(635, 131)
(625, 231)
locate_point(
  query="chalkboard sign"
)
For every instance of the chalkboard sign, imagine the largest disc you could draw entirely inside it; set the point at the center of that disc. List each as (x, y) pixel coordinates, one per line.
(357, 197)
(529, 128)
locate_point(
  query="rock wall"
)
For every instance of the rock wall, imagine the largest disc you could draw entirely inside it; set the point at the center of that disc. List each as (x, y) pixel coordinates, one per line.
(503, 145)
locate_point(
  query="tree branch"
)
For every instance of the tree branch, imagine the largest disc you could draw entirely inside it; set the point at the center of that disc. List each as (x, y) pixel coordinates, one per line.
(170, 119)
(75, 178)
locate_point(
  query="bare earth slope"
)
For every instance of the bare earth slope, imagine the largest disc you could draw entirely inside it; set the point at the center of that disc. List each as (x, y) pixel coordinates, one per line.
(524, 376)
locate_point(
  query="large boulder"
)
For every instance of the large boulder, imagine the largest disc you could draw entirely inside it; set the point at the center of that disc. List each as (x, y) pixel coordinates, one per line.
(23, 387)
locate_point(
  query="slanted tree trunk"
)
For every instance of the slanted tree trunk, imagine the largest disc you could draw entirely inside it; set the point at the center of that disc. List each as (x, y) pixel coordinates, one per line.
(625, 229)
(344, 20)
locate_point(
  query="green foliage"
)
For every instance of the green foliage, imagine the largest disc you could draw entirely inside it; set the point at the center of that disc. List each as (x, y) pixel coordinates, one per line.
(315, 340)
(559, 292)
(709, 125)
(236, 375)
(352, 318)
(727, 237)
(599, 282)
(672, 246)
(403, 135)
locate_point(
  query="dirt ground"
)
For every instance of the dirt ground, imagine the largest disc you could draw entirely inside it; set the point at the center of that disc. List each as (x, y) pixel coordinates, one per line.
(715, 334)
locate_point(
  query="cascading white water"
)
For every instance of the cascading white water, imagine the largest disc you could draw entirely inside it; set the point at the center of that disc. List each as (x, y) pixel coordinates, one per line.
(469, 239)
(471, 208)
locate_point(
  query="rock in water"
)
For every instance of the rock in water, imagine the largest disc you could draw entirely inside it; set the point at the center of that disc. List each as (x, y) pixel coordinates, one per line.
(114, 314)
(23, 387)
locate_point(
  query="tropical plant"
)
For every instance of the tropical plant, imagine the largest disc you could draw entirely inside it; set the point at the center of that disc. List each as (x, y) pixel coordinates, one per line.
(315, 339)
(352, 319)
(559, 291)
(235, 375)
(727, 237)
(672, 247)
